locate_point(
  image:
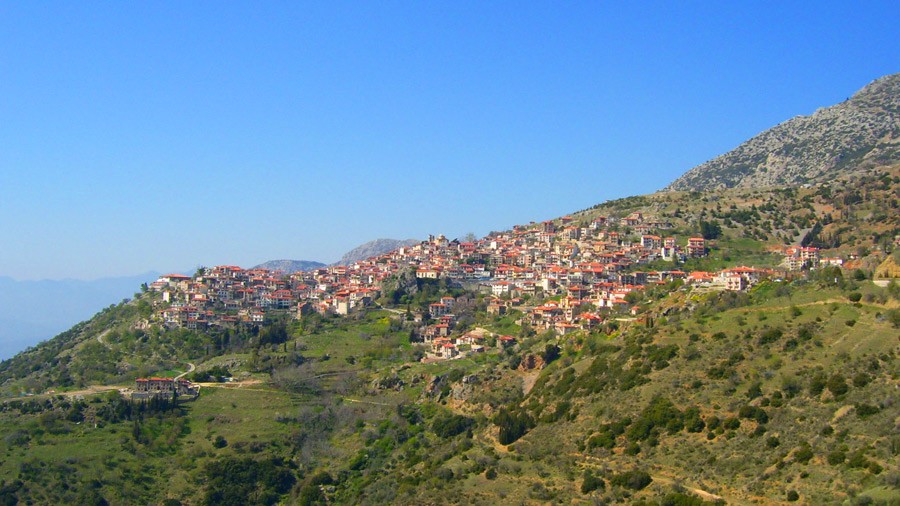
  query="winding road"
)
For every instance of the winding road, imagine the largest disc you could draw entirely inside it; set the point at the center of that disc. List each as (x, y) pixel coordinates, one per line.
(191, 368)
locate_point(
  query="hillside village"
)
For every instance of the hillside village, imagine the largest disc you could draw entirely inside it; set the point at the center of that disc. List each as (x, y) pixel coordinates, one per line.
(622, 364)
(587, 268)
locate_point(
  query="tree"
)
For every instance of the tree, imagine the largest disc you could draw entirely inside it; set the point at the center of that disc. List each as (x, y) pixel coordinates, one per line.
(551, 353)
(710, 229)
(451, 425)
(512, 425)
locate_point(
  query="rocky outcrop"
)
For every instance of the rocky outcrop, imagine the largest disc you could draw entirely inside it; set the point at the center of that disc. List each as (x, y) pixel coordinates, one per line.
(859, 133)
(531, 362)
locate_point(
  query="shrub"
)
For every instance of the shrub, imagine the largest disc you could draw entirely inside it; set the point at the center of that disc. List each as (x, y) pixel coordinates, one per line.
(755, 390)
(513, 425)
(237, 481)
(551, 353)
(861, 379)
(866, 410)
(837, 385)
(591, 483)
(770, 336)
(451, 425)
(804, 454)
(634, 480)
(836, 457)
(817, 384)
(754, 413)
(692, 420)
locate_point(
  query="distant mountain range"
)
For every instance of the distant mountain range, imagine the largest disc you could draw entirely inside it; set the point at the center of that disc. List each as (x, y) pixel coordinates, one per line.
(374, 248)
(862, 132)
(361, 252)
(290, 266)
(31, 311)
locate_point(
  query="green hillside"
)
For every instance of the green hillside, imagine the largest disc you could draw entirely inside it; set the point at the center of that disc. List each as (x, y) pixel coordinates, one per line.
(785, 392)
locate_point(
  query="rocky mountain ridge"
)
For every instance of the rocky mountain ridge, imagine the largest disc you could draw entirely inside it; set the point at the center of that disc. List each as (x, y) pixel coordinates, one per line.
(374, 248)
(859, 133)
(290, 266)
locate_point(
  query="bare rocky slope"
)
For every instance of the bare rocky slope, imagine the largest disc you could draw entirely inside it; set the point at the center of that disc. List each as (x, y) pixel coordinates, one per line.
(290, 266)
(861, 132)
(374, 248)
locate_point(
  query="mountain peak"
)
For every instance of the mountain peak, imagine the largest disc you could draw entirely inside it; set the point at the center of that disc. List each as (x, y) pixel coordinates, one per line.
(374, 248)
(861, 132)
(290, 266)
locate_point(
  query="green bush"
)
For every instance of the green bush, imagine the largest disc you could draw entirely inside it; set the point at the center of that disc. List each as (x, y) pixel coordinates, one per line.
(754, 413)
(866, 410)
(239, 481)
(635, 480)
(451, 425)
(836, 457)
(817, 384)
(513, 425)
(837, 385)
(591, 483)
(804, 454)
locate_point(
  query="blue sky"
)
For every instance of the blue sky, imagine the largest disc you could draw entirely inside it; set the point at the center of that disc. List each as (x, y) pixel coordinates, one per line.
(166, 135)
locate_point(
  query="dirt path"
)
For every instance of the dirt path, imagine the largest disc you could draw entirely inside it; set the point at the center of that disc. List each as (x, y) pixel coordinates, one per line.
(778, 308)
(667, 479)
(703, 494)
(367, 402)
(191, 368)
(93, 390)
(100, 337)
(234, 384)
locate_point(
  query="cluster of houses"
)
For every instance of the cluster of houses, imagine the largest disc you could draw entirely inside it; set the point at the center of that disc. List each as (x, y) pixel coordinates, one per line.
(446, 346)
(164, 388)
(807, 257)
(587, 267)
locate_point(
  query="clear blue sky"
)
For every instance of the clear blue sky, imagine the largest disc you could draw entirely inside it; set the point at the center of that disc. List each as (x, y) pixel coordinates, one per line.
(166, 135)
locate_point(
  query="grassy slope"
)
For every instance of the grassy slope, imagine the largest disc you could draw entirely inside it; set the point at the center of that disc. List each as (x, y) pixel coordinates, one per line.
(340, 410)
(410, 462)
